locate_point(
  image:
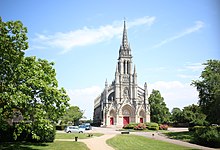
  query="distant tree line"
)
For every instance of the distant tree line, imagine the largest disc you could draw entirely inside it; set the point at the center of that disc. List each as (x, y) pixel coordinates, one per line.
(205, 113)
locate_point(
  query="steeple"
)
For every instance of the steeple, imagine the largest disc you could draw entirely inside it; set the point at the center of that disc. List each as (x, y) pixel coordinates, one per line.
(125, 50)
(125, 37)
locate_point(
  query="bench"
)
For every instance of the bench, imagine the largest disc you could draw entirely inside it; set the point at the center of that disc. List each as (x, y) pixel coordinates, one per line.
(124, 132)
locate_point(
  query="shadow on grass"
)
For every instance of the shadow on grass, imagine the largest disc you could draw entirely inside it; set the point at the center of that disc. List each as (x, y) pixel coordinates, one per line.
(184, 136)
(20, 145)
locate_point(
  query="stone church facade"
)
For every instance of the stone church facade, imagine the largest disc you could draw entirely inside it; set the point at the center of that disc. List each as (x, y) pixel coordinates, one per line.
(123, 101)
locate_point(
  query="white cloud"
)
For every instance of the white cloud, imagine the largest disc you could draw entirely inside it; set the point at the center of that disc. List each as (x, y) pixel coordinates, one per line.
(84, 99)
(87, 36)
(198, 25)
(195, 67)
(186, 76)
(191, 71)
(175, 93)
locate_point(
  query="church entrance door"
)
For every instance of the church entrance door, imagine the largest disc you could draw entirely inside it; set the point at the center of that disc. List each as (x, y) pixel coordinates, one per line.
(141, 120)
(125, 120)
(111, 121)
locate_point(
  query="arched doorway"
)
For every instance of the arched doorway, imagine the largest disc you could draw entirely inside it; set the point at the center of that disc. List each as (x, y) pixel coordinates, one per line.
(127, 113)
(141, 115)
(112, 117)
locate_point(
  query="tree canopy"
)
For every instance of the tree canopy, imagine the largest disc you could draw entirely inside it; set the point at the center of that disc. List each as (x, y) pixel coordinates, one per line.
(30, 99)
(176, 115)
(192, 115)
(158, 110)
(209, 90)
(72, 115)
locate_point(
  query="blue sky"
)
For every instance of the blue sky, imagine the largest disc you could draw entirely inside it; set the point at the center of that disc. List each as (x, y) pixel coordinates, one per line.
(169, 40)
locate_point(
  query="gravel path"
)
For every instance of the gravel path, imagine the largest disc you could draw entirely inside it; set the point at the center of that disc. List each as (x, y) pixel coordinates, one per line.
(98, 143)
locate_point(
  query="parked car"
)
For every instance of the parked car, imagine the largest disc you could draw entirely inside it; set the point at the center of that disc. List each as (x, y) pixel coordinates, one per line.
(88, 126)
(75, 129)
(82, 126)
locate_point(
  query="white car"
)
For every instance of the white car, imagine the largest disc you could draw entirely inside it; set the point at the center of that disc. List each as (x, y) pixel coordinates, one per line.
(74, 129)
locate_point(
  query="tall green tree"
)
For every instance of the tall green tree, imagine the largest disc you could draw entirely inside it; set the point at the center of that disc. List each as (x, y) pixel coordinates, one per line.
(193, 115)
(159, 112)
(72, 115)
(176, 115)
(29, 89)
(209, 90)
(13, 43)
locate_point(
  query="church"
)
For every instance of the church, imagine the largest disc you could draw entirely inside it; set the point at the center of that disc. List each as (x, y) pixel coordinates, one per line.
(123, 101)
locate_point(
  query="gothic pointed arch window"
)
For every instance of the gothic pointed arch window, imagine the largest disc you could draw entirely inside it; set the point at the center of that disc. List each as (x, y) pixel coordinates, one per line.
(128, 67)
(124, 67)
(126, 93)
(127, 110)
(141, 113)
(111, 97)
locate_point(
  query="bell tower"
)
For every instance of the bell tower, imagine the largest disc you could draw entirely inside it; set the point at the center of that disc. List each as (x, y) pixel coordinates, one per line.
(125, 79)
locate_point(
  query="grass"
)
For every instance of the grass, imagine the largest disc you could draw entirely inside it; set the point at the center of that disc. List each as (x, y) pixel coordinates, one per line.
(56, 145)
(134, 142)
(73, 135)
(183, 136)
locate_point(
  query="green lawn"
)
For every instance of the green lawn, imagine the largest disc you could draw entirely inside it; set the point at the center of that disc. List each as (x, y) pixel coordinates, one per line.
(73, 135)
(120, 142)
(134, 142)
(184, 136)
(56, 145)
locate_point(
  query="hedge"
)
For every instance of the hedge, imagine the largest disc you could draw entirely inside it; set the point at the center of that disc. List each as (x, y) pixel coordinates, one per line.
(207, 136)
(152, 126)
(130, 126)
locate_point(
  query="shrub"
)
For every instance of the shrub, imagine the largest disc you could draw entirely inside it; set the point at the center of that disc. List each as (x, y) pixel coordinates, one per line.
(153, 126)
(130, 126)
(163, 127)
(207, 136)
(43, 131)
(6, 135)
(193, 128)
(32, 132)
(140, 126)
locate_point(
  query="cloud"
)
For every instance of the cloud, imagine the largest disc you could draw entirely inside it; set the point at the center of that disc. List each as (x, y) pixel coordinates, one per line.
(198, 25)
(186, 76)
(87, 36)
(195, 66)
(175, 93)
(191, 71)
(84, 99)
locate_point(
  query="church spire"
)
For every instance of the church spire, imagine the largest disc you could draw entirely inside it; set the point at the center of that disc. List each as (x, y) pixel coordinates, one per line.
(125, 50)
(125, 37)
